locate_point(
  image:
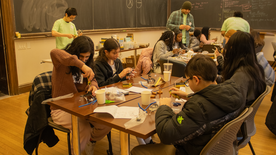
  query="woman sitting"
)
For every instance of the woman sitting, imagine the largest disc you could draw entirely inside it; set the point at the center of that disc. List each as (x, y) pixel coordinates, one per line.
(205, 37)
(195, 44)
(178, 41)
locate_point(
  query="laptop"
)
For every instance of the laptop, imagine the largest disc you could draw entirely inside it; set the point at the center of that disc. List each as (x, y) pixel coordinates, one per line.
(210, 48)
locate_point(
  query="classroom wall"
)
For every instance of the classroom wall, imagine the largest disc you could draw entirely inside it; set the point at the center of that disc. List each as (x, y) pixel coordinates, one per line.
(30, 52)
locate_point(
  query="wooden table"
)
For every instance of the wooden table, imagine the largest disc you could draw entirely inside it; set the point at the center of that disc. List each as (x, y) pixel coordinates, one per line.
(71, 105)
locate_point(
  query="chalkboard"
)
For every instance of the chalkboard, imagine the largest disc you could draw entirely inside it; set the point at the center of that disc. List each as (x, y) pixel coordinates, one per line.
(259, 13)
(33, 16)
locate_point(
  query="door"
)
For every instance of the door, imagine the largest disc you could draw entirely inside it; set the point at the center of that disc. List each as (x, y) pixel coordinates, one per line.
(3, 71)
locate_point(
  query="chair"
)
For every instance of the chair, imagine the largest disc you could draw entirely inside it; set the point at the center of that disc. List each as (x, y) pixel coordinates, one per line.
(274, 54)
(178, 67)
(248, 128)
(224, 140)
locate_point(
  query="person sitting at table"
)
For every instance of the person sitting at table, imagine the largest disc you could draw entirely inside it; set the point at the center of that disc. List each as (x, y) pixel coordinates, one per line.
(178, 41)
(71, 74)
(220, 60)
(211, 105)
(108, 68)
(241, 65)
(269, 72)
(205, 36)
(163, 48)
(195, 44)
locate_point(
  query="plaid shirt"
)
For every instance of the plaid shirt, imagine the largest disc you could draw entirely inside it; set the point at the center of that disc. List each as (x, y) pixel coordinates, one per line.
(176, 19)
(41, 81)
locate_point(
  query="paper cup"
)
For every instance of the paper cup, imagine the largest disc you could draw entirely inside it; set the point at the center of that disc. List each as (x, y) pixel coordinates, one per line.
(168, 66)
(145, 96)
(100, 95)
(167, 75)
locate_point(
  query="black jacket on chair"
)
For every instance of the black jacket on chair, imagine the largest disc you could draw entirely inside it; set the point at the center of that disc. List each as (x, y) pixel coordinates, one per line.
(37, 129)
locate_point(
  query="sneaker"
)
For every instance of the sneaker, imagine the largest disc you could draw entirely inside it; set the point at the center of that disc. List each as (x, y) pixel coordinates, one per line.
(89, 148)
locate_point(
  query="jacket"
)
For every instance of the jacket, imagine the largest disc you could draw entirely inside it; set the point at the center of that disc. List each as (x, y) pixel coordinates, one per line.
(194, 44)
(201, 117)
(269, 72)
(104, 73)
(37, 123)
(144, 63)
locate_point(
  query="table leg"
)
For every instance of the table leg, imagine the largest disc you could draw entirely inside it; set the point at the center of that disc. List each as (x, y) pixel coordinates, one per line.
(135, 52)
(124, 140)
(75, 135)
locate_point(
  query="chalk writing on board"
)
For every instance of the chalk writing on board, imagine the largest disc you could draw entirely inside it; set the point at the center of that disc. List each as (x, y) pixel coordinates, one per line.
(138, 4)
(129, 3)
(41, 14)
(199, 5)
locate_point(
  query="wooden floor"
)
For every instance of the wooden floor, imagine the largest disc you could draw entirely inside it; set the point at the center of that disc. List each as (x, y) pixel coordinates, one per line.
(13, 119)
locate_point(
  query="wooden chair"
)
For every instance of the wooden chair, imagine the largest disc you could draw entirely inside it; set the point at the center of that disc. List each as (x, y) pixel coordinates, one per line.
(224, 140)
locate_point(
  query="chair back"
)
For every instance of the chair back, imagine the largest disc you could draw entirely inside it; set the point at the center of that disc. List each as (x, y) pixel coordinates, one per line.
(178, 67)
(224, 140)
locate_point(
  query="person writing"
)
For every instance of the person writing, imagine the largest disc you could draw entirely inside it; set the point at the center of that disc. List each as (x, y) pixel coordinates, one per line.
(183, 20)
(64, 30)
(71, 74)
(108, 68)
(187, 132)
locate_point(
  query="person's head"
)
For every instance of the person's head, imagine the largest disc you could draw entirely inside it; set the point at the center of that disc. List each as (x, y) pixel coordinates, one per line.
(178, 35)
(238, 14)
(228, 34)
(83, 48)
(70, 14)
(206, 32)
(240, 53)
(168, 38)
(257, 39)
(110, 50)
(201, 69)
(197, 33)
(186, 7)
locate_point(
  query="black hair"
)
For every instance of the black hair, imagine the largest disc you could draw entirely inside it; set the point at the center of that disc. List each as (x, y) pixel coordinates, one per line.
(197, 32)
(167, 37)
(109, 45)
(205, 31)
(240, 53)
(81, 44)
(71, 12)
(176, 32)
(202, 65)
(238, 14)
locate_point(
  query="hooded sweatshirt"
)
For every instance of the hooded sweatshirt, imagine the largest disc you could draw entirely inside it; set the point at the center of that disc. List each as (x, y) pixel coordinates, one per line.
(201, 117)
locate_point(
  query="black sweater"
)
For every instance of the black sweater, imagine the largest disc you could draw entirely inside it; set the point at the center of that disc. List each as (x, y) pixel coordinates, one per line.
(104, 73)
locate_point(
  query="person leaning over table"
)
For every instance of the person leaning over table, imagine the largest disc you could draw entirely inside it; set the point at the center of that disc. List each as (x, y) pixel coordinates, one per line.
(163, 48)
(183, 20)
(195, 43)
(205, 36)
(64, 30)
(108, 68)
(71, 73)
(187, 132)
(178, 41)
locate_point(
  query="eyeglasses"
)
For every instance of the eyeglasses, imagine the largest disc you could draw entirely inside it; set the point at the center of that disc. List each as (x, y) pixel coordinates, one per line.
(187, 81)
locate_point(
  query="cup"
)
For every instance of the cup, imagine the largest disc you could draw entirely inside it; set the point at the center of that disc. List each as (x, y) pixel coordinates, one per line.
(100, 95)
(168, 67)
(167, 75)
(145, 96)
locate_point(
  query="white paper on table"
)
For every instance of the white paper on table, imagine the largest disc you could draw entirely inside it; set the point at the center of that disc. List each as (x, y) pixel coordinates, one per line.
(133, 122)
(107, 90)
(58, 98)
(119, 112)
(138, 89)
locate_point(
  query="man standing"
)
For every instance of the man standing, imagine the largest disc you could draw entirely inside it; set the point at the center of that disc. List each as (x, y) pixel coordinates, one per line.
(236, 23)
(183, 20)
(64, 30)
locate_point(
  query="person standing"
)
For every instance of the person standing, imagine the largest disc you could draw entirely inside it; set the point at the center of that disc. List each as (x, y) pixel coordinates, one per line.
(236, 23)
(64, 30)
(183, 20)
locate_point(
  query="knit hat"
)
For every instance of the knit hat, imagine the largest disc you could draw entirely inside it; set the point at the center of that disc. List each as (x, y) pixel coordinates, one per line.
(187, 5)
(197, 32)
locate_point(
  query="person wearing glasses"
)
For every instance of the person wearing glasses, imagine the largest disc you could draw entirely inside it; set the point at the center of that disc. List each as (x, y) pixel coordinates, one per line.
(205, 112)
(64, 30)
